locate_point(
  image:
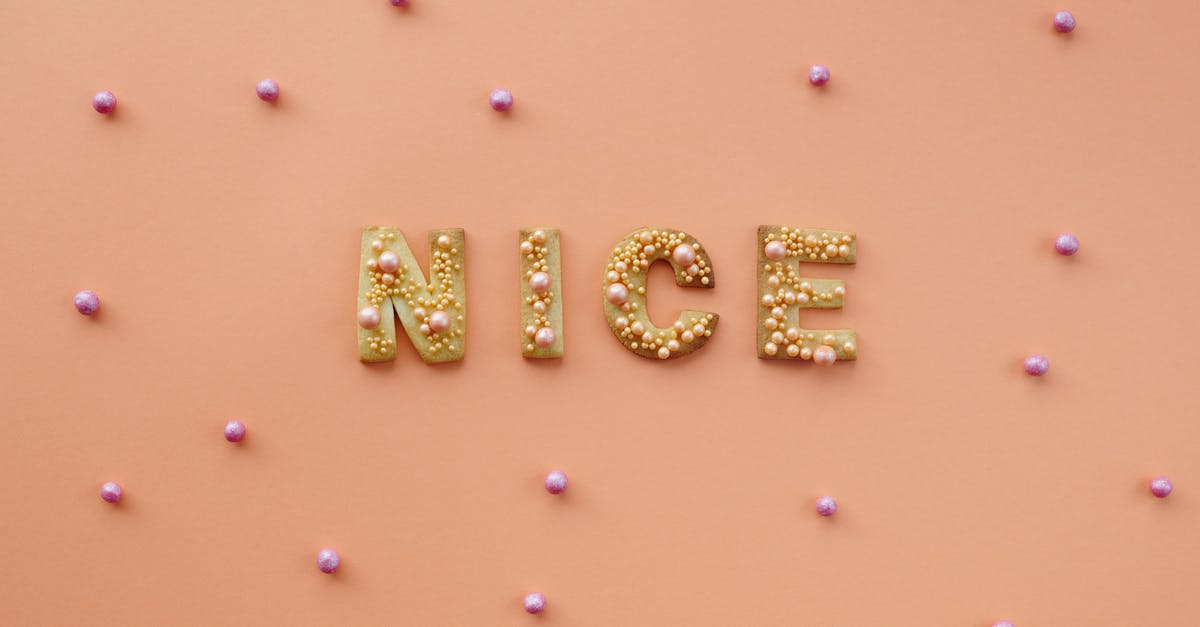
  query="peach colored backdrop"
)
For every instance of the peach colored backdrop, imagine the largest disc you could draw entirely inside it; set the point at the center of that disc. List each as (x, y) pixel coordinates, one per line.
(222, 236)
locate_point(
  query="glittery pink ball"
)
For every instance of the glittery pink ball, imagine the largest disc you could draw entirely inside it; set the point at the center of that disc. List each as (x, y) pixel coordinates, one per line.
(1064, 22)
(535, 603)
(87, 303)
(369, 317)
(775, 250)
(1003, 623)
(501, 99)
(539, 282)
(111, 492)
(826, 506)
(389, 261)
(556, 482)
(1036, 365)
(684, 255)
(399, 3)
(235, 431)
(824, 356)
(104, 102)
(1161, 487)
(617, 293)
(1066, 244)
(818, 75)
(267, 89)
(439, 321)
(544, 337)
(328, 561)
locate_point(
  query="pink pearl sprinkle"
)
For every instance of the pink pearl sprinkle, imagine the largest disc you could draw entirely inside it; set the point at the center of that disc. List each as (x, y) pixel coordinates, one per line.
(826, 506)
(1003, 623)
(684, 255)
(1064, 22)
(87, 303)
(556, 482)
(399, 3)
(535, 603)
(235, 431)
(539, 282)
(775, 250)
(501, 99)
(1036, 365)
(617, 294)
(818, 75)
(111, 492)
(824, 356)
(1161, 487)
(1066, 244)
(544, 337)
(368, 317)
(389, 261)
(328, 561)
(267, 89)
(104, 102)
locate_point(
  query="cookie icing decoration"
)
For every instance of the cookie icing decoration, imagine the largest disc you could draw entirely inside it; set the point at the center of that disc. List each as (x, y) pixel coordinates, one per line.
(541, 294)
(783, 292)
(391, 285)
(624, 293)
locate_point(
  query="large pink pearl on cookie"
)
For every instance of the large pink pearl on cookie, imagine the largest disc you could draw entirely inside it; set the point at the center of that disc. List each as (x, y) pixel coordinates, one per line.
(1161, 487)
(556, 482)
(1064, 22)
(235, 431)
(111, 492)
(368, 317)
(1066, 244)
(328, 561)
(544, 337)
(439, 321)
(104, 102)
(535, 603)
(501, 99)
(267, 90)
(824, 356)
(539, 282)
(684, 255)
(818, 75)
(87, 303)
(775, 250)
(1036, 365)
(389, 261)
(617, 294)
(826, 506)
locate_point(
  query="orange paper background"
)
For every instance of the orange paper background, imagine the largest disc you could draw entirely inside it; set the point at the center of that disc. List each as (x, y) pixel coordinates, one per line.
(222, 236)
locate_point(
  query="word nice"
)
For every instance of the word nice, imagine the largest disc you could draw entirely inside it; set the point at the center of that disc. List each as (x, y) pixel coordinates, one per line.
(433, 311)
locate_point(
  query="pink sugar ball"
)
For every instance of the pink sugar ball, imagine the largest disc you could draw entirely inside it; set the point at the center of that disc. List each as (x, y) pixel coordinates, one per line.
(1036, 365)
(1003, 623)
(535, 603)
(267, 90)
(1161, 487)
(1064, 22)
(104, 102)
(1066, 244)
(818, 75)
(328, 561)
(399, 3)
(556, 482)
(235, 431)
(111, 492)
(87, 303)
(501, 99)
(826, 506)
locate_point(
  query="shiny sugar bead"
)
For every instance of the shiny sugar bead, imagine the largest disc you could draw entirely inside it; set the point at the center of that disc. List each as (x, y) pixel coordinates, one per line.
(1066, 244)
(1036, 365)
(535, 603)
(501, 99)
(1064, 22)
(818, 75)
(399, 3)
(87, 303)
(539, 282)
(328, 561)
(684, 255)
(389, 261)
(235, 431)
(824, 356)
(544, 338)
(1161, 487)
(775, 250)
(556, 482)
(111, 492)
(267, 90)
(826, 506)
(104, 102)
(617, 293)
(439, 321)
(1003, 623)
(369, 317)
